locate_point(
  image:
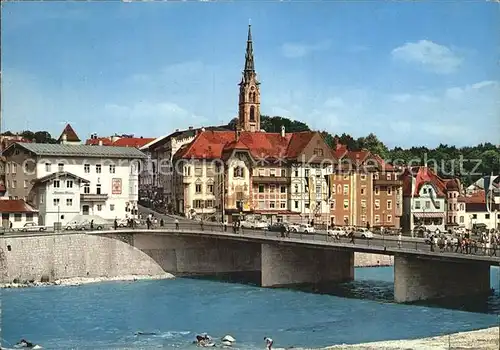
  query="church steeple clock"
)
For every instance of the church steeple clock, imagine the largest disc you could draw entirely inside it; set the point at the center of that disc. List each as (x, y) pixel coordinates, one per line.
(249, 100)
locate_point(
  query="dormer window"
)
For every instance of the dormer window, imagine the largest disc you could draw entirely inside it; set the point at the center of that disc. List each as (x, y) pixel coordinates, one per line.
(239, 172)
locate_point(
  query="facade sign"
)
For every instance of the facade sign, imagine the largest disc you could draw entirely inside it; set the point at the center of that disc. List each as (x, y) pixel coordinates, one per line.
(116, 185)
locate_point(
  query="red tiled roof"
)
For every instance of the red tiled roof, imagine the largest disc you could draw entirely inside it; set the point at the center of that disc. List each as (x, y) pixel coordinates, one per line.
(15, 206)
(136, 142)
(71, 135)
(106, 141)
(212, 144)
(476, 198)
(423, 175)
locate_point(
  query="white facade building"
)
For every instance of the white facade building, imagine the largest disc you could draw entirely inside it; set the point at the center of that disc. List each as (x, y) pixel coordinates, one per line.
(428, 209)
(64, 181)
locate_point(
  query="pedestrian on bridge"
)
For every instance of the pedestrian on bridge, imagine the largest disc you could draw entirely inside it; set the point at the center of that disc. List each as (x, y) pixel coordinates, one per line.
(399, 239)
(162, 223)
(201, 224)
(176, 224)
(351, 235)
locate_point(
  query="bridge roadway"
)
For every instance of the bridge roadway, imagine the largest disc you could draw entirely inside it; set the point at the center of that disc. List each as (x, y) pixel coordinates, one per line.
(419, 273)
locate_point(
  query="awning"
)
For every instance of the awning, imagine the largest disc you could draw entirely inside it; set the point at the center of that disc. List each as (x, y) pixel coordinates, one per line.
(429, 215)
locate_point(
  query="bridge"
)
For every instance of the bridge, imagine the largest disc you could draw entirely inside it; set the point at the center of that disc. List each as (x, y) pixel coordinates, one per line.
(207, 250)
(419, 272)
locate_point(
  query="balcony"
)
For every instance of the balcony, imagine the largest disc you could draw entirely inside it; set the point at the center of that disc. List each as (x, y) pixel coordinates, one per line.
(270, 179)
(93, 197)
(385, 182)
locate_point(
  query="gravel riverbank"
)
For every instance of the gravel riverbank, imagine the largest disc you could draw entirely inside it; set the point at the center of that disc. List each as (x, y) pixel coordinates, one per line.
(486, 339)
(77, 281)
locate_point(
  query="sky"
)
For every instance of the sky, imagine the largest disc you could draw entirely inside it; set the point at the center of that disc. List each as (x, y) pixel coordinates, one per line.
(413, 73)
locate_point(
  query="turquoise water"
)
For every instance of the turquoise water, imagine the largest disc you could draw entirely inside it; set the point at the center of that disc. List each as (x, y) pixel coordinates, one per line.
(107, 315)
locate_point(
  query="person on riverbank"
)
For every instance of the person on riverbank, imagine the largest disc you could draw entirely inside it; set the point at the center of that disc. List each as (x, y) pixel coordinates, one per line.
(400, 238)
(115, 224)
(269, 343)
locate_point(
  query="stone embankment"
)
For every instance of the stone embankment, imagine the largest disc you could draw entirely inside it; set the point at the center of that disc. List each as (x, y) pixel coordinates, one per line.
(485, 339)
(372, 260)
(77, 281)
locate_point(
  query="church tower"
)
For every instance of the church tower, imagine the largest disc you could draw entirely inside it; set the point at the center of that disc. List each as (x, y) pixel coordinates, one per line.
(249, 101)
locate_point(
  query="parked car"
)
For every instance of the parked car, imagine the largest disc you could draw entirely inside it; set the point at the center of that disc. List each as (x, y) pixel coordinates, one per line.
(363, 233)
(85, 226)
(305, 228)
(31, 226)
(336, 231)
(277, 227)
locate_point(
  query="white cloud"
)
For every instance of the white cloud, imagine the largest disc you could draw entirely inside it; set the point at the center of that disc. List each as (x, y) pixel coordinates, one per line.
(429, 55)
(297, 50)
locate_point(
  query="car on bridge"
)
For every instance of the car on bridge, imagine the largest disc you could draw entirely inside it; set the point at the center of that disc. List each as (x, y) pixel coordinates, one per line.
(336, 232)
(302, 228)
(253, 224)
(31, 226)
(363, 233)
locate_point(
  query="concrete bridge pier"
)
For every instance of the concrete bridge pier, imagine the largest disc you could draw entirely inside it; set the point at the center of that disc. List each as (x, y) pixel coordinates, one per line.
(418, 278)
(292, 265)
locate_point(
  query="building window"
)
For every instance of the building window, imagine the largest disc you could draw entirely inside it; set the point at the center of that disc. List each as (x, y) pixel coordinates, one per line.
(47, 167)
(198, 204)
(346, 177)
(14, 168)
(25, 183)
(461, 219)
(197, 188)
(377, 190)
(296, 204)
(306, 205)
(377, 219)
(306, 172)
(363, 177)
(238, 172)
(417, 204)
(296, 187)
(112, 168)
(377, 204)
(69, 202)
(261, 188)
(209, 203)
(210, 189)
(486, 216)
(283, 205)
(332, 204)
(60, 167)
(14, 183)
(272, 172)
(346, 189)
(69, 184)
(283, 189)
(98, 189)
(111, 207)
(389, 205)
(86, 168)
(272, 188)
(86, 189)
(99, 207)
(55, 202)
(262, 205)
(427, 204)
(18, 217)
(363, 203)
(57, 184)
(438, 205)
(318, 189)
(98, 168)
(318, 152)
(346, 204)
(296, 173)
(283, 172)
(29, 217)
(389, 190)
(272, 205)
(474, 216)
(389, 218)
(388, 176)
(363, 190)
(363, 218)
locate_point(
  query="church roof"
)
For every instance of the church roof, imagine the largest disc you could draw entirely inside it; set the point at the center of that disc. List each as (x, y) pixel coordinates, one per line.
(70, 133)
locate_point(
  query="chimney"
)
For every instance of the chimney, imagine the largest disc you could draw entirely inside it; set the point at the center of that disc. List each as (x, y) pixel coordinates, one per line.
(282, 131)
(100, 142)
(64, 138)
(190, 128)
(202, 129)
(176, 130)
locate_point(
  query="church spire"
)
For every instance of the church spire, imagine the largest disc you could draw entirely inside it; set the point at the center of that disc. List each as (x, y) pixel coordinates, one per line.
(249, 100)
(249, 64)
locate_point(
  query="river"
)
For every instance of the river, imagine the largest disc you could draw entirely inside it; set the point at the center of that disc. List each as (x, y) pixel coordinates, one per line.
(107, 315)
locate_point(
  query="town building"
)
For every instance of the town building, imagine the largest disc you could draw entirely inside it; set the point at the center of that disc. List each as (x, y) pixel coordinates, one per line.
(65, 179)
(16, 213)
(478, 213)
